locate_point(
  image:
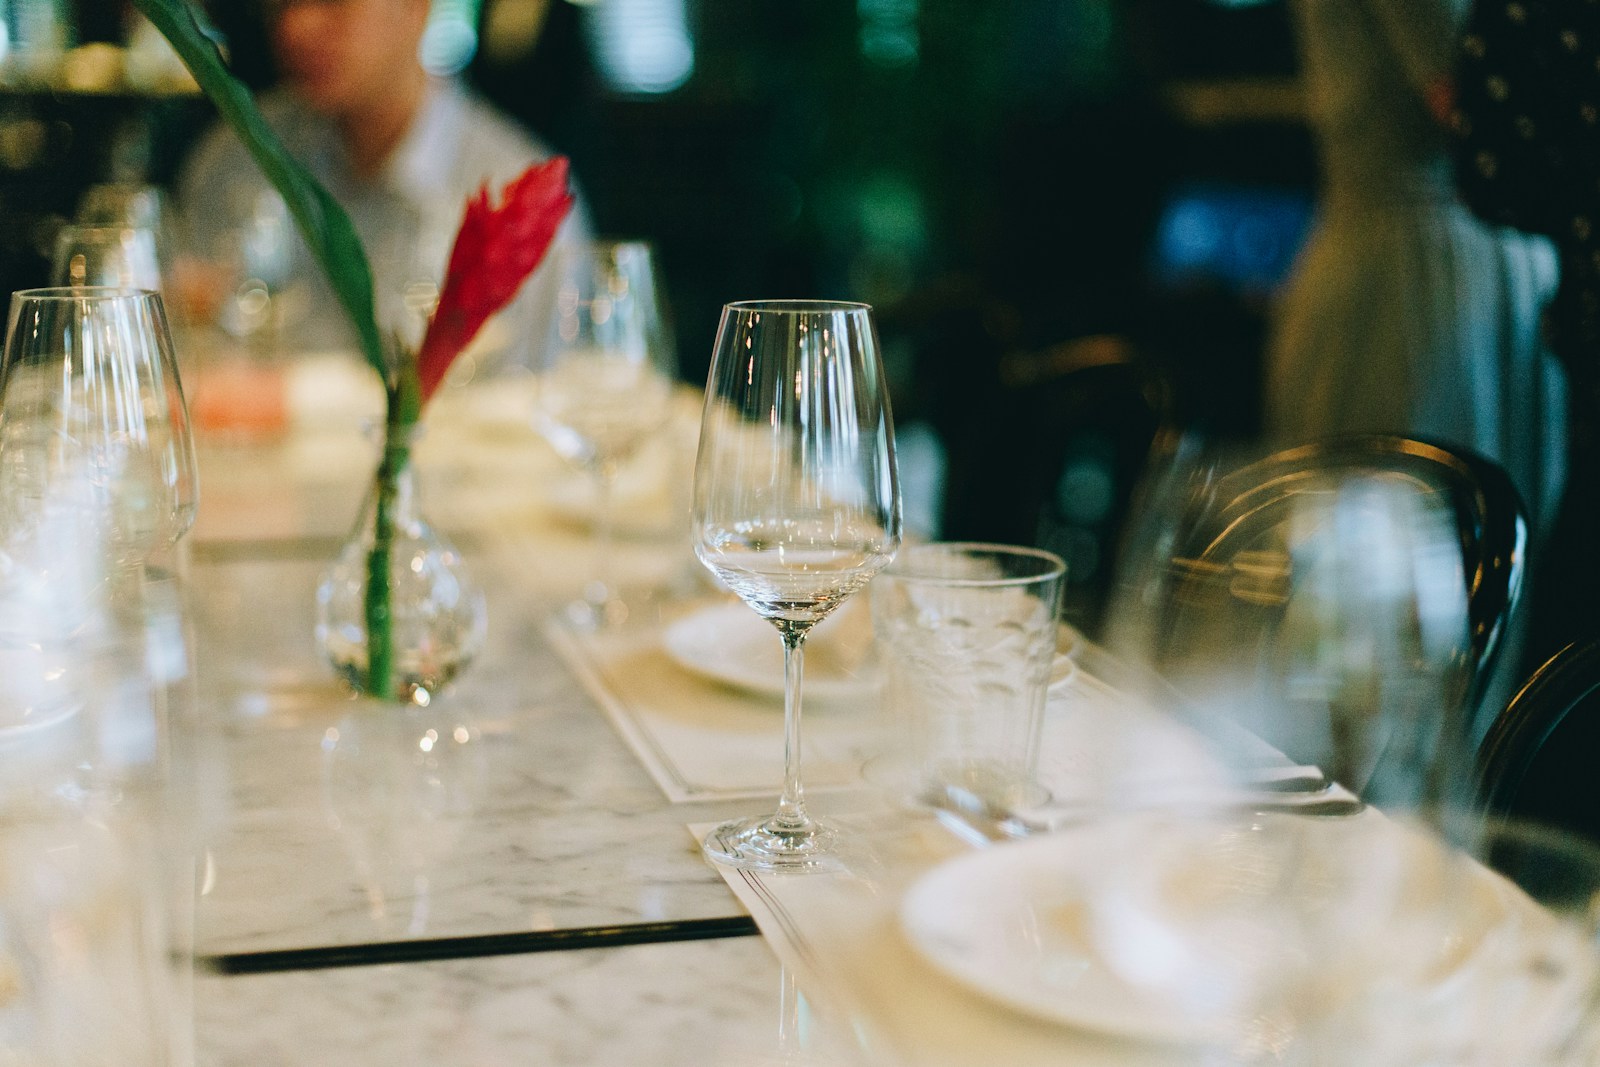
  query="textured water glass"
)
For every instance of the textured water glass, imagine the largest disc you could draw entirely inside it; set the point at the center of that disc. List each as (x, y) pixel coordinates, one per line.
(796, 508)
(90, 396)
(967, 635)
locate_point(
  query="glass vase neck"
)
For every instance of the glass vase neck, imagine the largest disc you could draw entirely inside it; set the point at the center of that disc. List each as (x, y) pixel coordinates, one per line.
(381, 434)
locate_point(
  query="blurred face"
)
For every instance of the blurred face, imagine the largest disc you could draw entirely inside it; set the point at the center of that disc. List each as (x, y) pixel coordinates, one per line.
(342, 56)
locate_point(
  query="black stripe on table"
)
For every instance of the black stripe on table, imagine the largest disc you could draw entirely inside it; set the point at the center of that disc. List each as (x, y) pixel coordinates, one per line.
(454, 948)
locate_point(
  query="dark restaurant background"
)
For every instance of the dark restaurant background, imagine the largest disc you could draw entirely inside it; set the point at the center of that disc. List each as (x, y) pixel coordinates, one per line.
(1069, 214)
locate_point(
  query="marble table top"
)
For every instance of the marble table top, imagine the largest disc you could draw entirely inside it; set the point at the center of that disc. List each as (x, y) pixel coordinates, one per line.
(329, 822)
(701, 1004)
(325, 822)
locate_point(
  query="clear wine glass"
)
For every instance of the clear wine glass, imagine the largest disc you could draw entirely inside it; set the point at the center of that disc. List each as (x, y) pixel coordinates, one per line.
(605, 385)
(90, 394)
(796, 507)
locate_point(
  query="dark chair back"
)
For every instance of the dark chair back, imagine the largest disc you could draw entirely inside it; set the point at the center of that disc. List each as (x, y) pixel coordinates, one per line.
(1490, 517)
(1233, 575)
(1539, 759)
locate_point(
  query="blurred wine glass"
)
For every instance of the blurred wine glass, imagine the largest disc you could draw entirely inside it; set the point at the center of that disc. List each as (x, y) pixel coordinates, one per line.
(796, 508)
(1321, 608)
(605, 380)
(90, 395)
(123, 257)
(97, 485)
(131, 205)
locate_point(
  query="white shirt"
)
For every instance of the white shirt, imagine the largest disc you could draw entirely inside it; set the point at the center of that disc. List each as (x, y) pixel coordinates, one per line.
(406, 215)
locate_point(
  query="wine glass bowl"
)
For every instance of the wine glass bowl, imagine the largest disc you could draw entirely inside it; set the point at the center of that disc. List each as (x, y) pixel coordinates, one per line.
(90, 390)
(796, 507)
(795, 572)
(605, 384)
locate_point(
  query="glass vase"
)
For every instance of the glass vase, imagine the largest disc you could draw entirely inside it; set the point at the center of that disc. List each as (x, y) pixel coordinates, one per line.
(434, 612)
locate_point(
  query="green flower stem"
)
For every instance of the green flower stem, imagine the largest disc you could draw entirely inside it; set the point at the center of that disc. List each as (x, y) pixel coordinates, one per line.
(379, 595)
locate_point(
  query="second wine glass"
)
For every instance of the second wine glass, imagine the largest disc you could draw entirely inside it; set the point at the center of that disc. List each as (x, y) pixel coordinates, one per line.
(605, 385)
(796, 507)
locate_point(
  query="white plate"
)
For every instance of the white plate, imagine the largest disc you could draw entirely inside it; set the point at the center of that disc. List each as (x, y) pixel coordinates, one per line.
(1015, 924)
(731, 644)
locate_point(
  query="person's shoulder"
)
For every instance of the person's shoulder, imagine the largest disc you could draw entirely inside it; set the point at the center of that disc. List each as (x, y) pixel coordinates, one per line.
(219, 151)
(489, 133)
(492, 146)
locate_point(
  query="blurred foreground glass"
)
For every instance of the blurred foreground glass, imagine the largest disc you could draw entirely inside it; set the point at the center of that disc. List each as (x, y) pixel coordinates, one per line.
(120, 257)
(84, 943)
(967, 637)
(99, 741)
(606, 376)
(796, 507)
(1323, 610)
(90, 397)
(1492, 957)
(1285, 940)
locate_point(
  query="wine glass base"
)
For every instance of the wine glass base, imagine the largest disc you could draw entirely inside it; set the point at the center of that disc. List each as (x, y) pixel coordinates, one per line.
(765, 844)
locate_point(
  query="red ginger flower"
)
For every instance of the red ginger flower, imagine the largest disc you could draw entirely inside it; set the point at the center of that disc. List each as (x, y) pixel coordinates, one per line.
(495, 251)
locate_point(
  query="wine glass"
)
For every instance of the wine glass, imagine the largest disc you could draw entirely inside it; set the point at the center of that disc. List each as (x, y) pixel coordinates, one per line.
(605, 385)
(125, 204)
(116, 256)
(90, 395)
(796, 507)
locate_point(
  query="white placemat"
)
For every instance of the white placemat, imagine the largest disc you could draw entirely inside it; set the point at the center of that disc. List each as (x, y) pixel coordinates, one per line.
(840, 934)
(703, 741)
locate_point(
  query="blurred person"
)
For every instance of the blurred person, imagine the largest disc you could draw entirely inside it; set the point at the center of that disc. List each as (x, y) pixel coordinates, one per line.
(1405, 312)
(400, 149)
(1526, 116)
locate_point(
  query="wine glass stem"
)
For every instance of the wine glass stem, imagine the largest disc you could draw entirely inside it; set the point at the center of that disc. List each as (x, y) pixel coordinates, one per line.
(605, 478)
(792, 805)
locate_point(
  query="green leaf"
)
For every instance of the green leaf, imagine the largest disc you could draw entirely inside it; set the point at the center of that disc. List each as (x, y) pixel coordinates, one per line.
(323, 223)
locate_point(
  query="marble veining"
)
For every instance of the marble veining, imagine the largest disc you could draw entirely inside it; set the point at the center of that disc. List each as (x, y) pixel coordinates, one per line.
(509, 805)
(686, 1004)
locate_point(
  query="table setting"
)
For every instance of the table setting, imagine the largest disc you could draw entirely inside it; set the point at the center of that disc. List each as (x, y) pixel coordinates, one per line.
(332, 839)
(567, 713)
